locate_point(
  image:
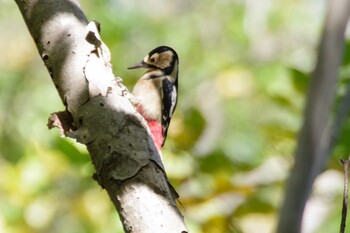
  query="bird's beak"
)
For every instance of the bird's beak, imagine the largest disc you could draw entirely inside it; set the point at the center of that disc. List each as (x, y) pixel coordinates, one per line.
(139, 65)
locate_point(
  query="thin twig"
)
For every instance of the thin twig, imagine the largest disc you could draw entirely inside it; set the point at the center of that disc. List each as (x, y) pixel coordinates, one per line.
(345, 195)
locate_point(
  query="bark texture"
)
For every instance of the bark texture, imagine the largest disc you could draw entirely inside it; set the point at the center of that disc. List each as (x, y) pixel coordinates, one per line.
(100, 115)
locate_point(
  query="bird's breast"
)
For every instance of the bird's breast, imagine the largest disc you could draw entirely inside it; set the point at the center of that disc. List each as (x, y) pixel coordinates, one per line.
(148, 95)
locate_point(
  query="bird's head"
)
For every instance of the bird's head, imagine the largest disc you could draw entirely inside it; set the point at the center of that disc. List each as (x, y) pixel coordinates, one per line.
(161, 58)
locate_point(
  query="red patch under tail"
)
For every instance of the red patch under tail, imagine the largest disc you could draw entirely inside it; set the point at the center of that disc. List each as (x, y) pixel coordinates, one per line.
(155, 127)
(157, 135)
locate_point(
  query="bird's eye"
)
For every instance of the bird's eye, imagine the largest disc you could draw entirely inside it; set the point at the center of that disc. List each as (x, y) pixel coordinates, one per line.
(152, 59)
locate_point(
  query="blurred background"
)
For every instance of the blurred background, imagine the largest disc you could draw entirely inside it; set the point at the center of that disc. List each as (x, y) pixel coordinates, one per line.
(244, 72)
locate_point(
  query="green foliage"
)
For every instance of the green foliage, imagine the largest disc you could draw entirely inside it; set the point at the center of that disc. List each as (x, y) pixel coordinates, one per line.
(244, 73)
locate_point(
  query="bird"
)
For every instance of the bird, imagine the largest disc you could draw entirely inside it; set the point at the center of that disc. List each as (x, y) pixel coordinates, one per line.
(156, 92)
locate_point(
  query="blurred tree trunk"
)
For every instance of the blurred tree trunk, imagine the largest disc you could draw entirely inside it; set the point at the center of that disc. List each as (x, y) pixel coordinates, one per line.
(99, 115)
(315, 138)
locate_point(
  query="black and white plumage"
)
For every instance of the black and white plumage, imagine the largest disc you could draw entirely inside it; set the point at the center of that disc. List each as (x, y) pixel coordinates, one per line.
(156, 91)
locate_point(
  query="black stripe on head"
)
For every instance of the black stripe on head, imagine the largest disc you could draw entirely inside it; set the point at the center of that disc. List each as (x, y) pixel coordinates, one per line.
(162, 49)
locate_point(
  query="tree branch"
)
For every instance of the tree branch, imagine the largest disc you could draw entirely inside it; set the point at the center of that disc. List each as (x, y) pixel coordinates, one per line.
(127, 163)
(314, 140)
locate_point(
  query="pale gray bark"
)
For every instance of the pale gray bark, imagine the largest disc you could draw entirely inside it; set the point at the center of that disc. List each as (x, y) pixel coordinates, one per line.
(126, 161)
(314, 142)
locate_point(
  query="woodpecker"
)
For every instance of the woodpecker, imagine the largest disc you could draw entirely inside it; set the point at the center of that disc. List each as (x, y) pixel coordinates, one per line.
(156, 91)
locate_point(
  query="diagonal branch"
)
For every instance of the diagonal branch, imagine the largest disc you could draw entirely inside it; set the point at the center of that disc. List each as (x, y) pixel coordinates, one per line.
(314, 140)
(126, 161)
